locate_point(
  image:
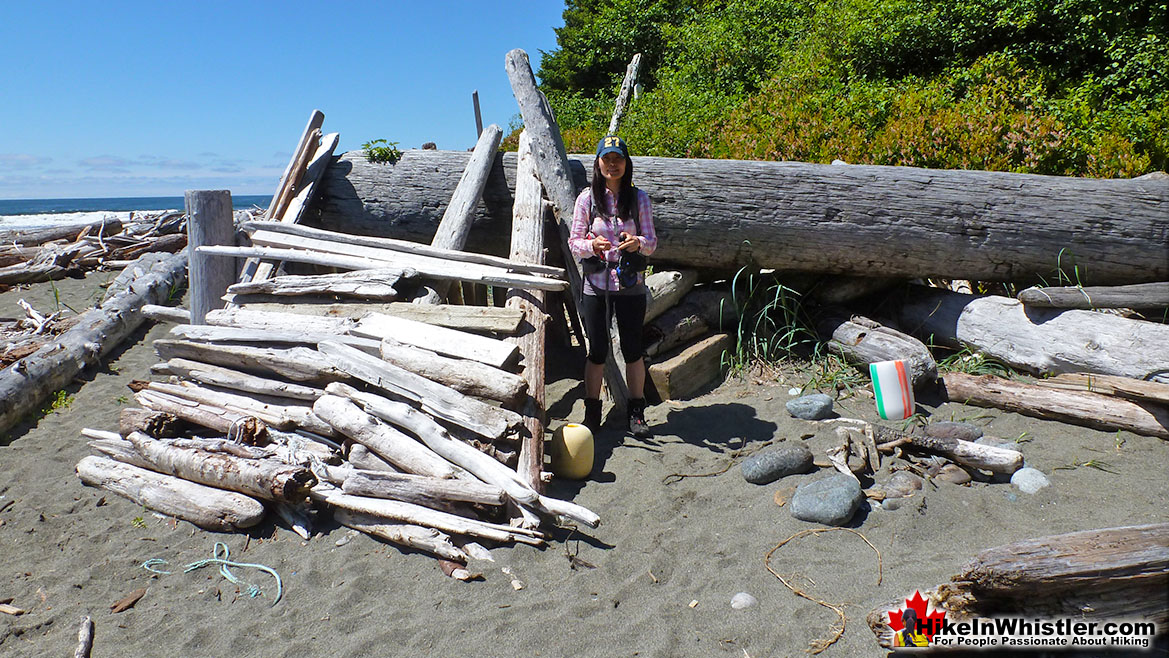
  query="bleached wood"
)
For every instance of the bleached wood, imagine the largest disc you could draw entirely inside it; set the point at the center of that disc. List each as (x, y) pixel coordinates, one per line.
(278, 320)
(478, 319)
(861, 341)
(449, 342)
(153, 423)
(627, 85)
(695, 367)
(387, 442)
(32, 237)
(1137, 295)
(411, 536)
(29, 381)
(166, 313)
(206, 507)
(241, 381)
(420, 489)
(279, 413)
(300, 364)
(1077, 408)
(417, 515)
(467, 377)
(527, 244)
(456, 221)
(406, 247)
(203, 415)
(210, 223)
(361, 457)
(1042, 341)
(369, 285)
(267, 479)
(699, 313)
(345, 255)
(289, 334)
(666, 289)
(1124, 387)
(967, 453)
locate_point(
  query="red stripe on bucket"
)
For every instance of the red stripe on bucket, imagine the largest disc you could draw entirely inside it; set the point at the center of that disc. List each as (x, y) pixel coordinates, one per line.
(905, 390)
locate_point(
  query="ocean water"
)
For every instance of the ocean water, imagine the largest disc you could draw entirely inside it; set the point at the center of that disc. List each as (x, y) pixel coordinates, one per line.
(40, 213)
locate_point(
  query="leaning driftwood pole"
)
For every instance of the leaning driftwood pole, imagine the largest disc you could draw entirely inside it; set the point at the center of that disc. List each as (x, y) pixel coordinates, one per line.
(626, 90)
(553, 168)
(209, 223)
(527, 244)
(856, 219)
(28, 381)
(456, 221)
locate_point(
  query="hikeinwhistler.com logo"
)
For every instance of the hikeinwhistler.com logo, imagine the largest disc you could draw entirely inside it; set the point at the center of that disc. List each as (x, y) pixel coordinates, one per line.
(918, 624)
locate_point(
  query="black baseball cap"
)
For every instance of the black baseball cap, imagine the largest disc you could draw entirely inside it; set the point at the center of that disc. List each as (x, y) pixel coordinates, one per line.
(612, 144)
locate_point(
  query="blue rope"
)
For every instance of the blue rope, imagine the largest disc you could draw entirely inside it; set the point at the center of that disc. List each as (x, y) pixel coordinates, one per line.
(223, 562)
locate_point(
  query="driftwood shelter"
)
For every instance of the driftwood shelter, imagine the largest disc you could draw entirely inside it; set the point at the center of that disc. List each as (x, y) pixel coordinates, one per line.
(375, 344)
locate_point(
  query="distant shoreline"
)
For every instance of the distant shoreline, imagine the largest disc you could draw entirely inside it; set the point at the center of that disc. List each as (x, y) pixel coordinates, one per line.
(17, 207)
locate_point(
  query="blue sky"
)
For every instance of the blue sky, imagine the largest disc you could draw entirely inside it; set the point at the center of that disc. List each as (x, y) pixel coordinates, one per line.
(108, 99)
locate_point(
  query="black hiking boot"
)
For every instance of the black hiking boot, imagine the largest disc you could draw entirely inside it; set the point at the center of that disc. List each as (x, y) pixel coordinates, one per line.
(637, 425)
(592, 419)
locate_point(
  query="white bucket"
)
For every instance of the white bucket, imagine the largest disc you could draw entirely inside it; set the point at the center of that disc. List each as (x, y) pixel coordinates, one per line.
(892, 389)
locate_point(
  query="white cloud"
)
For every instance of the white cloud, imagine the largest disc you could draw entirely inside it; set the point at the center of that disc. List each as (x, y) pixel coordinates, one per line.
(23, 160)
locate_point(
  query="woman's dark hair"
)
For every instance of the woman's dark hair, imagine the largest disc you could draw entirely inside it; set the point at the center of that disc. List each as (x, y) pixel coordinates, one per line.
(626, 198)
(909, 618)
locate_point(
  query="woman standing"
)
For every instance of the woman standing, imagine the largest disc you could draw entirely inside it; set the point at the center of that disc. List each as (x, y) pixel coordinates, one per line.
(612, 218)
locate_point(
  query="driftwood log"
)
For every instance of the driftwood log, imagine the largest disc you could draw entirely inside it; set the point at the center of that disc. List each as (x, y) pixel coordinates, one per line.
(206, 507)
(29, 381)
(1107, 574)
(476, 319)
(467, 377)
(1137, 295)
(1042, 341)
(861, 341)
(1073, 407)
(1121, 387)
(856, 219)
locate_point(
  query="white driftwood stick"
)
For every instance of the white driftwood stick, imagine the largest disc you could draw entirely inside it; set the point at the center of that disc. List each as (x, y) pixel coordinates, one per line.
(366, 460)
(967, 453)
(273, 411)
(439, 440)
(389, 443)
(477, 319)
(407, 247)
(456, 220)
(84, 638)
(460, 344)
(247, 318)
(416, 514)
(467, 377)
(211, 334)
(418, 489)
(297, 518)
(166, 313)
(204, 415)
(241, 381)
(411, 536)
(265, 479)
(363, 284)
(626, 91)
(206, 507)
(441, 401)
(300, 364)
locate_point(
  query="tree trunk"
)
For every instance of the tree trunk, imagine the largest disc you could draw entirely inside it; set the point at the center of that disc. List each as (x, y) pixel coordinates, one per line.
(626, 91)
(29, 381)
(858, 219)
(156, 424)
(1092, 575)
(1041, 341)
(206, 507)
(1122, 387)
(456, 221)
(861, 341)
(1139, 295)
(209, 223)
(1087, 409)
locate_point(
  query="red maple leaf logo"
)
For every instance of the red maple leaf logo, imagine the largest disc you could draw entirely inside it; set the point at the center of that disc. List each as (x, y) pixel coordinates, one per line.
(930, 622)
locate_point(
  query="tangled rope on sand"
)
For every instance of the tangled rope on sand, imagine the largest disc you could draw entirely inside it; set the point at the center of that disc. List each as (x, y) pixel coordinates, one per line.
(224, 562)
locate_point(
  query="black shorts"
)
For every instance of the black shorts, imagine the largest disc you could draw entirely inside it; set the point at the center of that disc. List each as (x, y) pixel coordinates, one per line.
(630, 312)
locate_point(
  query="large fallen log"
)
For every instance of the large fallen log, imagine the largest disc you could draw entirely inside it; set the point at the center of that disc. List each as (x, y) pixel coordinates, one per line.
(1042, 341)
(724, 214)
(206, 507)
(27, 382)
(1110, 574)
(32, 237)
(1077, 408)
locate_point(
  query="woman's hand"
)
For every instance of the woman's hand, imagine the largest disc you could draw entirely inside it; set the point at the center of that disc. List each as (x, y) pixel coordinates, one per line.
(629, 242)
(601, 244)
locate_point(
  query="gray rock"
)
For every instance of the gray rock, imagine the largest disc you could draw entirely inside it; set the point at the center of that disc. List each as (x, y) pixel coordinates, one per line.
(831, 501)
(810, 407)
(1029, 480)
(769, 466)
(948, 429)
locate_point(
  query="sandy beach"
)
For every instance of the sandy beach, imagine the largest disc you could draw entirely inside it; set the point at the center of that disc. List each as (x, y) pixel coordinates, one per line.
(669, 555)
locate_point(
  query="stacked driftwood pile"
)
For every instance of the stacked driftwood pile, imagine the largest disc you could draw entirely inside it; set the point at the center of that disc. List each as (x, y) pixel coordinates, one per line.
(32, 255)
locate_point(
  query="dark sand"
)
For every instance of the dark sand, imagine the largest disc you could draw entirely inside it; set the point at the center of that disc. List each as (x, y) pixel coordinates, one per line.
(67, 550)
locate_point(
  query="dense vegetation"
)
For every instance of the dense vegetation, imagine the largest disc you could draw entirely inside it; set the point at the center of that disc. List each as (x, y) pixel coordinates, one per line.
(1072, 87)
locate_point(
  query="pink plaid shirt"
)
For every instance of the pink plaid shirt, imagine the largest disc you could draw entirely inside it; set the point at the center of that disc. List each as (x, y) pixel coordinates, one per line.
(585, 228)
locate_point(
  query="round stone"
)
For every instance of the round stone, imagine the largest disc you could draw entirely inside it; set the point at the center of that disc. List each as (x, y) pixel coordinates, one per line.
(769, 466)
(902, 485)
(743, 600)
(1029, 480)
(948, 429)
(831, 501)
(810, 407)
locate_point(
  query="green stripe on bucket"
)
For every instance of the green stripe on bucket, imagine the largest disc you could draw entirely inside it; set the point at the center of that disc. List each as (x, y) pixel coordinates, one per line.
(877, 390)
